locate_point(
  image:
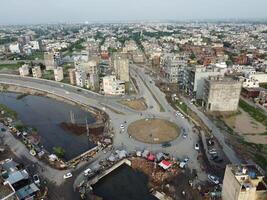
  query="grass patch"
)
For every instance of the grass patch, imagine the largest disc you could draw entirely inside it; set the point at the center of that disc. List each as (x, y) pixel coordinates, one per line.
(9, 112)
(253, 112)
(10, 66)
(263, 85)
(183, 107)
(260, 160)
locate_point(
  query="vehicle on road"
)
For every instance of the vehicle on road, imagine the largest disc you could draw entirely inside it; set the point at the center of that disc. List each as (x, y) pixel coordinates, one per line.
(183, 163)
(212, 151)
(36, 179)
(197, 146)
(184, 135)
(3, 129)
(122, 126)
(87, 172)
(68, 175)
(213, 179)
(166, 144)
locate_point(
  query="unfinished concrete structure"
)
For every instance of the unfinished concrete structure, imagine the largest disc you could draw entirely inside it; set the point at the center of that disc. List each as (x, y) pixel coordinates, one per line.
(243, 182)
(221, 94)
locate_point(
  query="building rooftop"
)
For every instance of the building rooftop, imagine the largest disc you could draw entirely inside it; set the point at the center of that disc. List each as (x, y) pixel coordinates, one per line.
(26, 191)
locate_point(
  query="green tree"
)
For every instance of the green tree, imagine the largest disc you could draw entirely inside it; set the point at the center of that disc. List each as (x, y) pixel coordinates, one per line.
(19, 126)
(59, 151)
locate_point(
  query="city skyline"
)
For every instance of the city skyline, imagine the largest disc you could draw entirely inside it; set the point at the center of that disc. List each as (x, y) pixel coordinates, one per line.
(70, 11)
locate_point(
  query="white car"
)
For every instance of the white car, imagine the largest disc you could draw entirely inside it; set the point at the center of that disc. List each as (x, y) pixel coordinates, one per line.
(197, 146)
(36, 179)
(122, 126)
(213, 179)
(87, 172)
(68, 175)
(212, 151)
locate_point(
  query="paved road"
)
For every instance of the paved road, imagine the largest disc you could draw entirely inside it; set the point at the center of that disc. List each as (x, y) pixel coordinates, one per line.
(229, 152)
(180, 147)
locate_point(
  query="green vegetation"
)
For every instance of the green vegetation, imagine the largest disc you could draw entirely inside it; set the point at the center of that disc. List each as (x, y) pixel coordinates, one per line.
(77, 46)
(48, 75)
(34, 56)
(253, 112)
(7, 40)
(182, 106)
(261, 160)
(19, 126)
(9, 112)
(12, 66)
(263, 85)
(59, 151)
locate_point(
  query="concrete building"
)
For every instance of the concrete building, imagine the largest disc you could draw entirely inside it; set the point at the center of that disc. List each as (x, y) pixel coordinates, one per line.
(15, 48)
(72, 76)
(121, 67)
(173, 68)
(52, 60)
(58, 73)
(37, 72)
(194, 78)
(24, 70)
(243, 182)
(112, 86)
(221, 94)
(90, 67)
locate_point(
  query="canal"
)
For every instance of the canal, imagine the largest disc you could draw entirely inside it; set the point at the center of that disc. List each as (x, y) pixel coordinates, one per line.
(124, 183)
(46, 115)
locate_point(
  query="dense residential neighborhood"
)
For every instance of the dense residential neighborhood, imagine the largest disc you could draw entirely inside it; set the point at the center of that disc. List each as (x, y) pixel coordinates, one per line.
(134, 110)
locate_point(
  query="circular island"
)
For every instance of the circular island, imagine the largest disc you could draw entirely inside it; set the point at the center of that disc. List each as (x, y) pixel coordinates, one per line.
(153, 131)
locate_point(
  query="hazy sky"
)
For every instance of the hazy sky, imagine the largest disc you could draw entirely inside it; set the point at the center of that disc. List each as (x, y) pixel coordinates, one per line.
(49, 11)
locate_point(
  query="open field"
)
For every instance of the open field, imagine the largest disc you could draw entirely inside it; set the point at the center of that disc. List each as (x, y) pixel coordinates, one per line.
(247, 127)
(153, 131)
(136, 104)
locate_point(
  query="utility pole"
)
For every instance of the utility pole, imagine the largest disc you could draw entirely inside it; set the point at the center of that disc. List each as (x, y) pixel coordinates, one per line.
(87, 132)
(72, 118)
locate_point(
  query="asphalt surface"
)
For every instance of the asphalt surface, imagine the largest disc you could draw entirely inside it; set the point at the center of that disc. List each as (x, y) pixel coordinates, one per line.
(179, 148)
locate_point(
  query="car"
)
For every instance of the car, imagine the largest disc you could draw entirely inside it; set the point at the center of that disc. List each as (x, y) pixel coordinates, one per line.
(212, 151)
(36, 179)
(183, 163)
(166, 144)
(213, 179)
(68, 175)
(184, 135)
(122, 126)
(197, 146)
(87, 172)
(214, 156)
(3, 129)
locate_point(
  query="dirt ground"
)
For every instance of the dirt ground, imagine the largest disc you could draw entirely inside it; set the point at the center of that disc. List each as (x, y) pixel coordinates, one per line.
(153, 131)
(137, 104)
(247, 127)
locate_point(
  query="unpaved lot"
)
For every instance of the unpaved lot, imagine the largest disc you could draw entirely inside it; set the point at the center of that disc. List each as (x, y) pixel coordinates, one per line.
(136, 104)
(153, 131)
(247, 127)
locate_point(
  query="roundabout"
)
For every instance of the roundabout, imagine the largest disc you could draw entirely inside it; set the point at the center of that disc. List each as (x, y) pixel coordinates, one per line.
(153, 131)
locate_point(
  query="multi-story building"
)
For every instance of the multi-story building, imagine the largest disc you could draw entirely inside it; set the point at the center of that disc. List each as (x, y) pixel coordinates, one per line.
(121, 67)
(37, 72)
(112, 86)
(24, 70)
(72, 76)
(15, 48)
(173, 68)
(221, 94)
(52, 60)
(194, 78)
(243, 182)
(58, 73)
(90, 67)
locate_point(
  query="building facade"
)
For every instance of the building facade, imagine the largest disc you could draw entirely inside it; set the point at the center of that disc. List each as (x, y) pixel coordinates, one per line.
(221, 94)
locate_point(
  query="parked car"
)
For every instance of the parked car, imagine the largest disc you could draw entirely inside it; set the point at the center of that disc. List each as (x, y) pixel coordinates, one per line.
(197, 146)
(212, 151)
(184, 135)
(218, 160)
(36, 179)
(87, 172)
(183, 163)
(68, 175)
(166, 144)
(213, 179)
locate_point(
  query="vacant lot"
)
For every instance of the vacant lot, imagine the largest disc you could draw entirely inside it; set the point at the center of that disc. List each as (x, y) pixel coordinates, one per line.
(246, 126)
(153, 131)
(136, 104)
